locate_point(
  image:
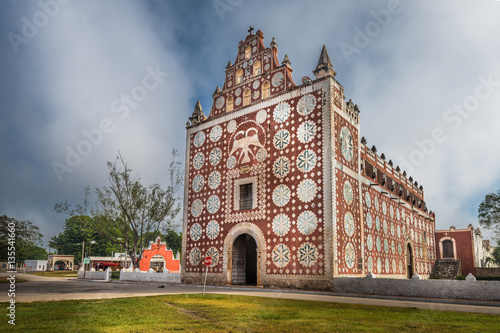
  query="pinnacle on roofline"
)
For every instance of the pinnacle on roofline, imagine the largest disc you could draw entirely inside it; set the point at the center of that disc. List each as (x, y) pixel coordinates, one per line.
(324, 67)
(324, 58)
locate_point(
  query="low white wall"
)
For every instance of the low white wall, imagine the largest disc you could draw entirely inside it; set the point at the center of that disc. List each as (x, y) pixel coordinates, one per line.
(94, 275)
(456, 289)
(150, 277)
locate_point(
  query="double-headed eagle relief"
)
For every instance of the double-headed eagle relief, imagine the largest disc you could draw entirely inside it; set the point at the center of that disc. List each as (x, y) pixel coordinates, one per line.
(244, 142)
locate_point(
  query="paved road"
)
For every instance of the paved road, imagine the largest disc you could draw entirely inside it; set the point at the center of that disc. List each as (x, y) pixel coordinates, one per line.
(51, 288)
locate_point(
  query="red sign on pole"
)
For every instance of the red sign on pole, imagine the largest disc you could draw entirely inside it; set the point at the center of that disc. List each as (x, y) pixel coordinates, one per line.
(208, 261)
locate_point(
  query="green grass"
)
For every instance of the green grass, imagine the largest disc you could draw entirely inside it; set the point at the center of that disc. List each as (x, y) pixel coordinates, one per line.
(56, 273)
(4, 280)
(226, 313)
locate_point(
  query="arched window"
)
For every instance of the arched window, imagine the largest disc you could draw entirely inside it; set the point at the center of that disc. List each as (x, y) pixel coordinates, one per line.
(239, 76)
(256, 68)
(448, 249)
(246, 97)
(266, 89)
(248, 52)
(229, 103)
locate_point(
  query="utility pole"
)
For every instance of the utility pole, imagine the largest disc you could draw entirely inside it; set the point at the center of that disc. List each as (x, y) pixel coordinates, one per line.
(83, 250)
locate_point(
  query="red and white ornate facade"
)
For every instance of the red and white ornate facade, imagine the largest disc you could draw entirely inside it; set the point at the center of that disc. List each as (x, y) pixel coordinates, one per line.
(281, 188)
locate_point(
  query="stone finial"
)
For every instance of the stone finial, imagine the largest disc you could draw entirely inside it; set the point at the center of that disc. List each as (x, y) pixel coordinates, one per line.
(416, 277)
(374, 149)
(382, 156)
(217, 90)
(421, 188)
(197, 116)
(286, 61)
(390, 163)
(404, 173)
(398, 169)
(363, 140)
(229, 64)
(410, 179)
(324, 67)
(470, 277)
(274, 45)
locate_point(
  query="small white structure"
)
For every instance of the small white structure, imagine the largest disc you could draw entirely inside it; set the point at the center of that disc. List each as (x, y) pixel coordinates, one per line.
(67, 260)
(36, 265)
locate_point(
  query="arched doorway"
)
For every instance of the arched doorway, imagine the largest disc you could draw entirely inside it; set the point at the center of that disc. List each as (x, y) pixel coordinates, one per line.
(157, 263)
(448, 249)
(409, 261)
(59, 265)
(244, 261)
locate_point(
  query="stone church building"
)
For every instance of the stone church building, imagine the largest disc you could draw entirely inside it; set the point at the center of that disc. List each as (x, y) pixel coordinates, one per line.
(282, 190)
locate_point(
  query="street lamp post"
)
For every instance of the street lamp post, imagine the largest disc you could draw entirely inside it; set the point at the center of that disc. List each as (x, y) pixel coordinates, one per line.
(90, 249)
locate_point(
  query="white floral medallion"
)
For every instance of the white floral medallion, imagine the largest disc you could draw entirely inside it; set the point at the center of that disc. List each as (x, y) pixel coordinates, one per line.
(198, 182)
(306, 105)
(306, 160)
(306, 191)
(281, 255)
(307, 254)
(281, 225)
(195, 232)
(307, 222)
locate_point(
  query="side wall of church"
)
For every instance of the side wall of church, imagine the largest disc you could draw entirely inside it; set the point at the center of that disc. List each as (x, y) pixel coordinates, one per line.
(392, 224)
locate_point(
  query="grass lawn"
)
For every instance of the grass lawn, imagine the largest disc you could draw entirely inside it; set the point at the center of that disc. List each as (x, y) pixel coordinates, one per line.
(226, 313)
(56, 273)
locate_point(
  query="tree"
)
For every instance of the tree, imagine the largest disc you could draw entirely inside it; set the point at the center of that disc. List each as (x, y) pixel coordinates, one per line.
(174, 241)
(26, 241)
(129, 214)
(489, 213)
(77, 232)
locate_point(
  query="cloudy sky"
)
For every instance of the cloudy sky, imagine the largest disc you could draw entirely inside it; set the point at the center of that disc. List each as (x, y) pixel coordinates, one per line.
(424, 74)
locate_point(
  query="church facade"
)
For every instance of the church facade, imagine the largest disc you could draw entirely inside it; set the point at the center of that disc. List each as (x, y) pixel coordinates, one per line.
(282, 190)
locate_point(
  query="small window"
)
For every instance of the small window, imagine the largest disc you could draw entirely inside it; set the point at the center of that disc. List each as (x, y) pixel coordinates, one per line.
(229, 103)
(246, 196)
(246, 97)
(256, 68)
(239, 76)
(265, 89)
(248, 52)
(368, 169)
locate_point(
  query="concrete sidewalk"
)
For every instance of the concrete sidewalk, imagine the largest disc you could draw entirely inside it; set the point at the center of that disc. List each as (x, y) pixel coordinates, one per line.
(40, 288)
